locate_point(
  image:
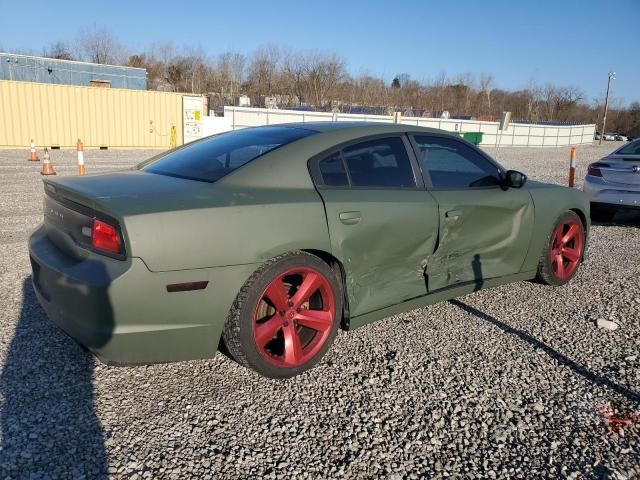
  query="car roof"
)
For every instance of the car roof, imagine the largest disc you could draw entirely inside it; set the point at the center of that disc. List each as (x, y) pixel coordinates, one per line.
(286, 166)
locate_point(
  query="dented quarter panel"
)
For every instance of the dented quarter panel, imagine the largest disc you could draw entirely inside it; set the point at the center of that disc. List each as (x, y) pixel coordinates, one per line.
(550, 201)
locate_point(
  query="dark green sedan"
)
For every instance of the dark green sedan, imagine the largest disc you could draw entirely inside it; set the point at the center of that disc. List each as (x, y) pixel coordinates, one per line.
(272, 238)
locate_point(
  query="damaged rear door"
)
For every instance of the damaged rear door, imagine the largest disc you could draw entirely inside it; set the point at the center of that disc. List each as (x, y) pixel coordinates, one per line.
(382, 223)
(485, 230)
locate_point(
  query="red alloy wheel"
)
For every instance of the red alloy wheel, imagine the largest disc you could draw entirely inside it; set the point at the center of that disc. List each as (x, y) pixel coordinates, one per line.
(294, 316)
(565, 253)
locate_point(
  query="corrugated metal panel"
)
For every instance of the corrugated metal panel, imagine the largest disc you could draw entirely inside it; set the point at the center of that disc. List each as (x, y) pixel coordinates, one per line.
(27, 68)
(57, 115)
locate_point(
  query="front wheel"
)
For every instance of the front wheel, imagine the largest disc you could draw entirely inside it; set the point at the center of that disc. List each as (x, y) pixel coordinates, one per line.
(286, 315)
(563, 251)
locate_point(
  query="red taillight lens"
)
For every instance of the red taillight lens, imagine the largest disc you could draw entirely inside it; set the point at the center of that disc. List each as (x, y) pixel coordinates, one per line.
(105, 237)
(593, 170)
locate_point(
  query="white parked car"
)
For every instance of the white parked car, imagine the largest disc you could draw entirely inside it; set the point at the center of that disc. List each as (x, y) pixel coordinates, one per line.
(609, 136)
(614, 181)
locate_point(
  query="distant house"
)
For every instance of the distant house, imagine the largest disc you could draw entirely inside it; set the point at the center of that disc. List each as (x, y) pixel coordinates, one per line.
(28, 68)
(242, 101)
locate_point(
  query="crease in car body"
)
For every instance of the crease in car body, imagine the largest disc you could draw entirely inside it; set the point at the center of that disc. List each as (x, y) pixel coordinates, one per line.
(389, 276)
(485, 226)
(381, 253)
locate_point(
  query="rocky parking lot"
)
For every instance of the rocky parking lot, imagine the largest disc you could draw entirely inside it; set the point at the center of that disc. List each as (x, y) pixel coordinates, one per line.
(521, 381)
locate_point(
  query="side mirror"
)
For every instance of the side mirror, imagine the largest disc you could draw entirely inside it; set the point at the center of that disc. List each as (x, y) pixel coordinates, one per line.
(514, 179)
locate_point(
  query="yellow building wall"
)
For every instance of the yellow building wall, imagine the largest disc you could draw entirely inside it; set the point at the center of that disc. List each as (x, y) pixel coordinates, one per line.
(57, 115)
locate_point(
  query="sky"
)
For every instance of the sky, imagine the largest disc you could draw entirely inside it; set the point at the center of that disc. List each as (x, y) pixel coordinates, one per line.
(566, 42)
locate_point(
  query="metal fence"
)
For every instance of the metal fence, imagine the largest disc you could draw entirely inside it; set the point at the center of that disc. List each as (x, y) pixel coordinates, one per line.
(522, 135)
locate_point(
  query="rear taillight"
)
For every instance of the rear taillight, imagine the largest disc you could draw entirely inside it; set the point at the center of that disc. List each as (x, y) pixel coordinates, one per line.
(105, 237)
(594, 170)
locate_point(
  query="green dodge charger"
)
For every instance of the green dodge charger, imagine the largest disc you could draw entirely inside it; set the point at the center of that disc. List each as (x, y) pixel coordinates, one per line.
(272, 238)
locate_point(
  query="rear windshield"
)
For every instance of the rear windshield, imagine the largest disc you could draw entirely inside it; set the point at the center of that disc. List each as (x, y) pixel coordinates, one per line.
(212, 158)
(632, 148)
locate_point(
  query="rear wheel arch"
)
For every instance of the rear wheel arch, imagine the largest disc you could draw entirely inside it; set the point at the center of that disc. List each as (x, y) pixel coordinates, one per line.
(337, 267)
(583, 217)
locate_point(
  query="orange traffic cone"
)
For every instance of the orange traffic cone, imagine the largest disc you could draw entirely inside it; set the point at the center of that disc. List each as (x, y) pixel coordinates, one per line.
(33, 156)
(47, 167)
(80, 148)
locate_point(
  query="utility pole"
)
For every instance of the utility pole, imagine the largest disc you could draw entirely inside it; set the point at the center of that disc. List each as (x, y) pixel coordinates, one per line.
(612, 76)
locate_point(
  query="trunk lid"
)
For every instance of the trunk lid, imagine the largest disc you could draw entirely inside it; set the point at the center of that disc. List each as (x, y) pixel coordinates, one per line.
(68, 224)
(71, 204)
(132, 192)
(621, 169)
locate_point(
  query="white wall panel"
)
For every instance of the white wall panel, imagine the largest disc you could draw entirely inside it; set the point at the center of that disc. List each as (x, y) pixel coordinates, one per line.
(516, 135)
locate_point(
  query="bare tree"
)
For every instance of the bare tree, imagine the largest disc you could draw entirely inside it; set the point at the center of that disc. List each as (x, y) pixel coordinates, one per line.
(324, 72)
(100, 46)
(486, 86)
(263, 70)
(199, 71)
(437, 98)
(230, 68)
(163, 51)
(532, 96)
(466, 82)
(403, 79)
(178, 73)
(295, 71)
(370, 91)
(550, 98)
(59, 50)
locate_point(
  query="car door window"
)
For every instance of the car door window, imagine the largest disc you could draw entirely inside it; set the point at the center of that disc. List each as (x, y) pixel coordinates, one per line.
(382, 162)
(453, 164)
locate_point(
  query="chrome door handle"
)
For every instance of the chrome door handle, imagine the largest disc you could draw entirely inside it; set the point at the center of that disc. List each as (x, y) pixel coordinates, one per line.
(453, 215)
(350, 218)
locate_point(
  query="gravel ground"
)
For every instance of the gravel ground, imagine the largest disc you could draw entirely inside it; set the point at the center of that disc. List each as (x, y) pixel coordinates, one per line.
(503, 383)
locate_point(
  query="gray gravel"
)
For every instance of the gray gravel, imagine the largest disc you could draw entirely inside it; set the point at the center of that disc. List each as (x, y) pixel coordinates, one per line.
(503, 383)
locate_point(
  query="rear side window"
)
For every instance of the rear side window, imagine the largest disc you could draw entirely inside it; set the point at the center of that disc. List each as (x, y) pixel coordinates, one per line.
(379, 163)
(212, 158)
(632, 148)
(333, 172)
(453, 164)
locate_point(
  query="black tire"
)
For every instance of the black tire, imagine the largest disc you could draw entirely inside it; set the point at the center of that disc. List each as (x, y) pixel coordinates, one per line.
(238, 333)
(546, 274)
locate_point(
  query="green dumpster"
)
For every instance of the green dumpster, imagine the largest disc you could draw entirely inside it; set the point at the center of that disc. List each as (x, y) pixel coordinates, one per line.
(473, 137)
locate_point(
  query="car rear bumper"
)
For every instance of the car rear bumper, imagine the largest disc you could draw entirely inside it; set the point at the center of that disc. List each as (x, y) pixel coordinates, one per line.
(601, 192)
(123, 313)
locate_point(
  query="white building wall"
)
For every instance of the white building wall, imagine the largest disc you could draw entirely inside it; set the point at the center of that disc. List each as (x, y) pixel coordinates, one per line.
(522, 135)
